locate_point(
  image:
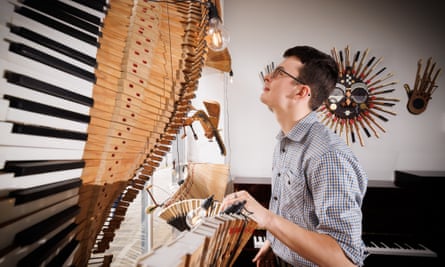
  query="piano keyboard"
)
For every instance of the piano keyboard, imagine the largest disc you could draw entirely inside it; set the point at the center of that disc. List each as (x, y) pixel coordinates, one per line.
(47, 65)
(399, 248)
(258, 241)
(379, 247)
(89, 90)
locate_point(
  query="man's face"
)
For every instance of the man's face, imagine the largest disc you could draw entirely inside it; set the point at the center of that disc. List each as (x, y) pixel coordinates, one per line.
(279, 87)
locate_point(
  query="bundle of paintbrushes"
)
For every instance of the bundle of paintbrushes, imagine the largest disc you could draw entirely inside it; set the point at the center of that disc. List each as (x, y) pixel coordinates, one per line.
(185, 214)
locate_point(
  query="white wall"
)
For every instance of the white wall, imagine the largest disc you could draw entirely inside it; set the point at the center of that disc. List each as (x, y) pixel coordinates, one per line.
(212, 86)
(399, 31)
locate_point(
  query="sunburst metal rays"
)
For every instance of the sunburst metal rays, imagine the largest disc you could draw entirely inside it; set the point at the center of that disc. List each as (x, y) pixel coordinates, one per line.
(357, 103)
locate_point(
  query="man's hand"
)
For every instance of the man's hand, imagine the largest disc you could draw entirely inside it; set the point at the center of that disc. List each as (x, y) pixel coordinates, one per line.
(253, 208)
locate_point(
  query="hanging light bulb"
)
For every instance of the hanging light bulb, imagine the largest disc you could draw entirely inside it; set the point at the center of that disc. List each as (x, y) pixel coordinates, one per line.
(217, 36)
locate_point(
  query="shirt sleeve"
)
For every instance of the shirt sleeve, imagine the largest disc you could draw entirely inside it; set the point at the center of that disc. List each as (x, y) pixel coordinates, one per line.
(337, 183)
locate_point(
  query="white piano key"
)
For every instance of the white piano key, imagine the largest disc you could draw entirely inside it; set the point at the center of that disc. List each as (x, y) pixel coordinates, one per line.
(32, 95)
(27, 140)
(6, 34)
(258, 241)
(4, 106)
(19, 20)
(43, 72)
(48, 207)
(58, 78)
(8, 182)
(37, 153)
(27, 117)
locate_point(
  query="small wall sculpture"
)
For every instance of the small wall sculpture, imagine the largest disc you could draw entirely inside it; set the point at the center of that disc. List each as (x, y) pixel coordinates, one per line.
(358, 101)
(423, 88)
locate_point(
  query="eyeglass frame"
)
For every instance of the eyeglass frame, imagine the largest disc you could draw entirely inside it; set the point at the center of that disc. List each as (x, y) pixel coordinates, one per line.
(273, 72)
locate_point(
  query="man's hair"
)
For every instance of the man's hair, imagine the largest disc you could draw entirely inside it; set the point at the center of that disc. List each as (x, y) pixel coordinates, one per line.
(320, 72)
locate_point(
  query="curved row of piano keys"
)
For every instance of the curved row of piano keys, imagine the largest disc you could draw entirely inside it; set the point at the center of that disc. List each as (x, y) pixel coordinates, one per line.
(93, 94)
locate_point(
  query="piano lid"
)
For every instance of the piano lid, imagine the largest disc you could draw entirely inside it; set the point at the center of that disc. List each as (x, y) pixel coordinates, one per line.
(415, 178)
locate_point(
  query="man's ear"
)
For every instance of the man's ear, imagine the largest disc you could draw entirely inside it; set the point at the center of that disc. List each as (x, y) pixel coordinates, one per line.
(308, 90)
(304, 91)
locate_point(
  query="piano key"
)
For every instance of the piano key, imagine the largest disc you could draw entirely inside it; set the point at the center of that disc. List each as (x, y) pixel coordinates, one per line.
(30, 194)
(100, 5)
(15, 153)
(57, 25)
(50, 249)
(51, 44)
(22, 168)
(80, 89)
(18, 224)
(65, 256)
(46, 51)
(68, 14)
(39, 230)
(84, 12)
(8, 16)
(14, 257)
(29, 139)
(47, 47)
(399, 249)
(32, 106)
(258, 241)
(15, 63)
(28, 88)
(12, 212)
(10, 182)
(28, 117)
(34, 54)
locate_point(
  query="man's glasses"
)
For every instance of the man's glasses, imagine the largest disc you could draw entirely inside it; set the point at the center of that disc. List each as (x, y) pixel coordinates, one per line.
(276, 72)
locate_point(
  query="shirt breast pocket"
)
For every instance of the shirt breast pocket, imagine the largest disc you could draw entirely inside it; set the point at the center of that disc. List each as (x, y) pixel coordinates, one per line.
(294, 185)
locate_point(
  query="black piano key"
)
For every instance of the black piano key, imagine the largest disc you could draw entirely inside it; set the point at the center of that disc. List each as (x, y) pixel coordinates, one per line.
(43, 87)
(390, 244)
(22, 168)
(53, 9)
(100, 5)
(64, 254)
(48, 132)
(42, 253)
(79, 13)
(32, 106)
(416, 246)
(34, 233)
(368, 243)
(24, 11)
(26, 195)
(51, 61)
(51, 44)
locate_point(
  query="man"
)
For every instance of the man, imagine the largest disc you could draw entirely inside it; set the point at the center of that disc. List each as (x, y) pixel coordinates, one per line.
(314, 216)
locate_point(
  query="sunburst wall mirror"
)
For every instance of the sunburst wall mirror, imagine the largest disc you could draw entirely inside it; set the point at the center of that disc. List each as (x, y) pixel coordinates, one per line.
(361, 99)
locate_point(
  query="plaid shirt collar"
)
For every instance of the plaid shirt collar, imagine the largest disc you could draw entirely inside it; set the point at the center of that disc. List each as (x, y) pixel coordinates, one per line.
(300, 129)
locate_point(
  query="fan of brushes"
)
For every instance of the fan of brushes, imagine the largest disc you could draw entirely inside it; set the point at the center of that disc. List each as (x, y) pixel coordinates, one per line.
(185, 214)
